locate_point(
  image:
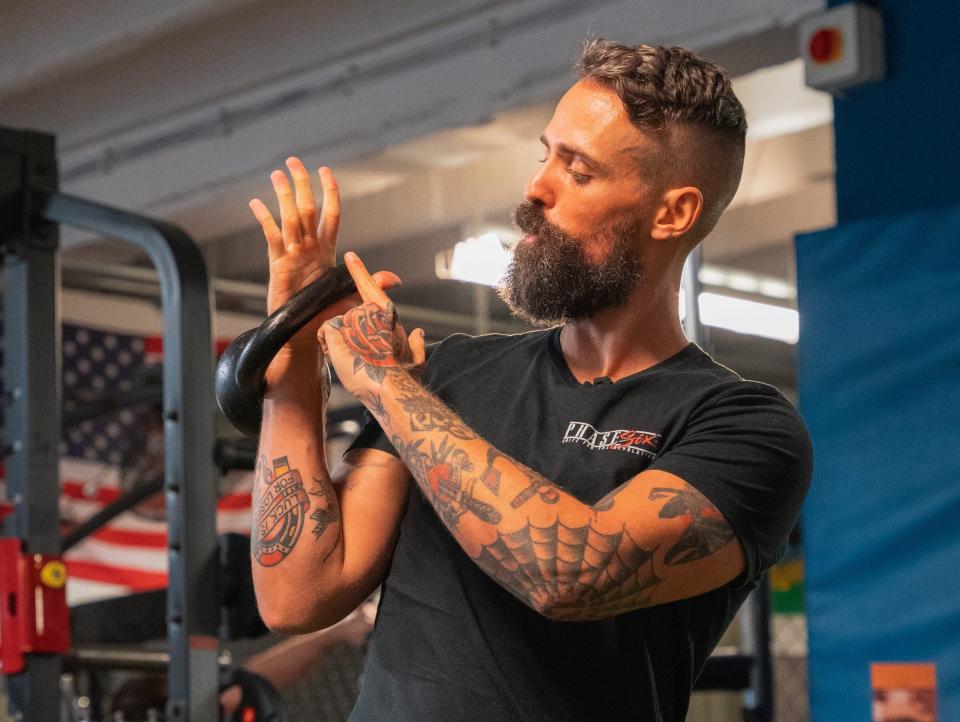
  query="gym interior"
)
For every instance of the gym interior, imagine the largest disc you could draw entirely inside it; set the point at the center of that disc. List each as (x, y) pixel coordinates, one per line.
(133, 135)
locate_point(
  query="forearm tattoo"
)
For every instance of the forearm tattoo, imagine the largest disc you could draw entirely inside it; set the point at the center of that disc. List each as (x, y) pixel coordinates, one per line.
(327, 512)
(538, 485)
(707, 531)
(490, 476)
(374, 402)
(430, 414)
(571, 572)
(445, 477)
(280, 509)
(279, 512)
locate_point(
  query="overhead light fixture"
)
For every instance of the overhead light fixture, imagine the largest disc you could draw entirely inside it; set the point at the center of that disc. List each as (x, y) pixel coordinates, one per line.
(752, 317)
(479, 259)
(745, 281)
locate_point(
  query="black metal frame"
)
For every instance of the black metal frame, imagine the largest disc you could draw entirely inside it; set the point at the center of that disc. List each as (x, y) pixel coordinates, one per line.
(32, 370)
(29, 207)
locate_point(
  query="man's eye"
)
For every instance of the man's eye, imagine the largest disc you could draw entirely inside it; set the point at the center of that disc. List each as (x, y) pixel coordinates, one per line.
(544, 159)
(578, 178)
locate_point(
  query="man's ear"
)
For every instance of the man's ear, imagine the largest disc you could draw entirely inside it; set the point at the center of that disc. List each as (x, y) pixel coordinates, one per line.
(678, 212)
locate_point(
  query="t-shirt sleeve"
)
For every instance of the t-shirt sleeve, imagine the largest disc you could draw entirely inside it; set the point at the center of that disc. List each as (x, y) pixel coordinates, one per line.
(749, 453)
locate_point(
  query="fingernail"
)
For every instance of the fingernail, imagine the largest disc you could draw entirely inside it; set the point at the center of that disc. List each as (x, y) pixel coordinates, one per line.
(349, 255)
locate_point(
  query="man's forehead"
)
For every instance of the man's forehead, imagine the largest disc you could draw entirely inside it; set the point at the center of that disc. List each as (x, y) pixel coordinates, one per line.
(594, 98)
(593, 117)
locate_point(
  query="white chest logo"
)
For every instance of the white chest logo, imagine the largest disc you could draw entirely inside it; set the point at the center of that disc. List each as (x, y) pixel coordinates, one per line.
(633, 441)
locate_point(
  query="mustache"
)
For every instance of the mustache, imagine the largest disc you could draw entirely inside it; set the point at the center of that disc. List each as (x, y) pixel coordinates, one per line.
(529, 219)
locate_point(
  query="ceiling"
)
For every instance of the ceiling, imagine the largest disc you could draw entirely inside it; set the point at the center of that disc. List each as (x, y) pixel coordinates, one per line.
(428, 112)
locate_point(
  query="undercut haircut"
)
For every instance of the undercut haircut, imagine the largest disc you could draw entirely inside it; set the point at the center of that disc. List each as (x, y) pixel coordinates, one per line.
(672, 87)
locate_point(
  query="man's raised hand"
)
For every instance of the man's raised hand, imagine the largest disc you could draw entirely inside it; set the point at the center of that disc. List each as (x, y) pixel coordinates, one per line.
(303, 245)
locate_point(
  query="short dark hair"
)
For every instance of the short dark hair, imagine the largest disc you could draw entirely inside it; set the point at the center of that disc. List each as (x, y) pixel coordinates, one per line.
(664, 88)
(661, 86)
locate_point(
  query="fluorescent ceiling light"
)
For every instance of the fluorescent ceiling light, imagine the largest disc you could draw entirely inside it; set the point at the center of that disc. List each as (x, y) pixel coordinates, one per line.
(745, 281)
(743, 316)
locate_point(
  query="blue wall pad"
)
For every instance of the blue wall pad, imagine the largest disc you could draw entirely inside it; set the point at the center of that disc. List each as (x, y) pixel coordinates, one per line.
(879, 381)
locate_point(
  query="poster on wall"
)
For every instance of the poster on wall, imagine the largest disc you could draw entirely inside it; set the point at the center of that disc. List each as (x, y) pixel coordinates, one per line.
(904, 692)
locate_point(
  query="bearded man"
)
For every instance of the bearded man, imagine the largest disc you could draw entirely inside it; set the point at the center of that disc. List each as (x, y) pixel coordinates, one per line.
(590, 503)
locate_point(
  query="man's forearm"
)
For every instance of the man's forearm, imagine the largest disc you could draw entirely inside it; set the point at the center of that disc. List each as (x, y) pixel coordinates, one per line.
(552, 551)
(296, 533)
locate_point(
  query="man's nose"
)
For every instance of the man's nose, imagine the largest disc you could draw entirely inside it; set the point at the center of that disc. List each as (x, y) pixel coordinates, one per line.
(539, 189)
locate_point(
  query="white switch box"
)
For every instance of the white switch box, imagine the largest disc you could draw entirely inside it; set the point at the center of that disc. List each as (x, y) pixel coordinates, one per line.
(843, 47)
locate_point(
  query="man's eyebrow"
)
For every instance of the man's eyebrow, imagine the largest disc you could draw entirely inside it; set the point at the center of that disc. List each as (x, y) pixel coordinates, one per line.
(570, 150)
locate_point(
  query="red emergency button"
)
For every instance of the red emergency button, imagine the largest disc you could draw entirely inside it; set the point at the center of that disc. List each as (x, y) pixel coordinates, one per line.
(826, 45)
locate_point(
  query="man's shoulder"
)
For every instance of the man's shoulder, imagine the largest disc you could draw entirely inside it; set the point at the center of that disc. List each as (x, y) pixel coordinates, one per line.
(706, 388)
(721, 382)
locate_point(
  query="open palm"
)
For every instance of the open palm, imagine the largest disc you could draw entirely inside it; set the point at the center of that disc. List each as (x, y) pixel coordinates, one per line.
(303, 246)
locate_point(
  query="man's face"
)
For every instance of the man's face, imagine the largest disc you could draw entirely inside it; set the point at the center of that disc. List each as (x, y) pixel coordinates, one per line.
(587, 211)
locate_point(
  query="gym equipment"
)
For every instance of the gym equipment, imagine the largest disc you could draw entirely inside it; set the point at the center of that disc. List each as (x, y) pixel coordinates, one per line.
(260, 701)
(239, 383)
(33, 605)
(30, 209)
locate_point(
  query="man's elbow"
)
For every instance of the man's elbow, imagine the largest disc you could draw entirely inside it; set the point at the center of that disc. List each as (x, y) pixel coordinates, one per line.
(286, 619)
(289, 615)
(580, 604)
(556, 604)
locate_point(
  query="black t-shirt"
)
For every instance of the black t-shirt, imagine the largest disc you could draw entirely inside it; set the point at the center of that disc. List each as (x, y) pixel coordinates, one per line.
(451, 644)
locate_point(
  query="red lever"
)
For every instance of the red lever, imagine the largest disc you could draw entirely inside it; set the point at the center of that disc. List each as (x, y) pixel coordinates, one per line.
(33, 605)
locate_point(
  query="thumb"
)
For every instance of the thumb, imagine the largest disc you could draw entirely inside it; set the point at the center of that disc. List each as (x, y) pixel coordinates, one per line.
(418, 346)
(387, 279)
(322, 336)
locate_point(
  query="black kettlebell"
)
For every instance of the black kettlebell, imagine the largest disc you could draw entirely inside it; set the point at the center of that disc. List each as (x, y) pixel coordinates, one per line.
(239, 382)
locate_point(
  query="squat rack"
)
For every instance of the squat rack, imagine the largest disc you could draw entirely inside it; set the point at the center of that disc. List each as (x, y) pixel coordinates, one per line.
(31, 207)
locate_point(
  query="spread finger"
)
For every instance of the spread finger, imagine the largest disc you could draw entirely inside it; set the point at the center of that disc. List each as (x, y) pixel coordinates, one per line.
(305, 201)
(271, 231)
(289, 221)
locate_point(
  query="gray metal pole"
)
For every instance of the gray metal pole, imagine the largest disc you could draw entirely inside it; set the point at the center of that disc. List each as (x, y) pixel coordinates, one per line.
(32, 368)
(190, 476)
(690, 283)
(755, 614)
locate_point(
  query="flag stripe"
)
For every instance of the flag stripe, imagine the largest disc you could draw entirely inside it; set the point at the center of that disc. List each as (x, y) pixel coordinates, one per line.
(137, 580)
(132, 538)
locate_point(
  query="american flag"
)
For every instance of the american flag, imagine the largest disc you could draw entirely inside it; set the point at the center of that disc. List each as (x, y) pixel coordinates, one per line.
(103, 455)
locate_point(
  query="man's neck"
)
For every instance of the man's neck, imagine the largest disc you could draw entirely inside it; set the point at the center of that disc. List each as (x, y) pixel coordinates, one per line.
(627, 339)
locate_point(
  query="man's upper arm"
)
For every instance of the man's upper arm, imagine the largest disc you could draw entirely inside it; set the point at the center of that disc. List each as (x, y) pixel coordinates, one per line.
(750, 455)
(680, 544)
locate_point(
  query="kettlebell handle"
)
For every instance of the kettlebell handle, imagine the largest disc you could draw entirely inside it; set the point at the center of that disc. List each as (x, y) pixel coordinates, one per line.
(239, 384)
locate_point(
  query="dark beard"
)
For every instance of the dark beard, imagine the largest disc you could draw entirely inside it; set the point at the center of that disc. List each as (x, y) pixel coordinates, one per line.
(552, 281)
